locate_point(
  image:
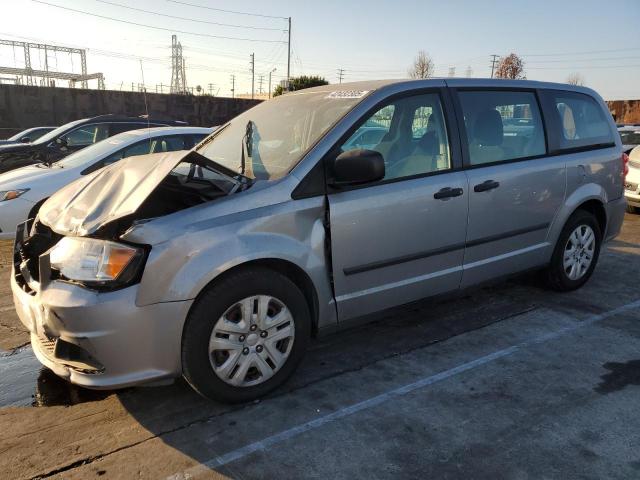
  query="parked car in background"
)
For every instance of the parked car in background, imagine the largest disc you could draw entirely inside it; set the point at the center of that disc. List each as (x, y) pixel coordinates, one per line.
(632, 183)
(22, 191)
(72, 137)
(219, 264)
(27, 136)
(630, 136)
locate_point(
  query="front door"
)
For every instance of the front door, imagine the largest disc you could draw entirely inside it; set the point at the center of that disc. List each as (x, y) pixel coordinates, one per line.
(402, 238)
(515, 189)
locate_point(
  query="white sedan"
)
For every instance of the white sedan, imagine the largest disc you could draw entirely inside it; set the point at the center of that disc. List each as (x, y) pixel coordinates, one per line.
(23, 190)
(632, 182)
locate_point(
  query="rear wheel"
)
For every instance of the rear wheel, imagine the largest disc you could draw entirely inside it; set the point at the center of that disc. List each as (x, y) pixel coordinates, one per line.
(245, 335)
(576, 252)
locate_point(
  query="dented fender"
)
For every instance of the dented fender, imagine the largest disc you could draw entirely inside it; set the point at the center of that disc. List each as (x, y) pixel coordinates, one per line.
(181, 267)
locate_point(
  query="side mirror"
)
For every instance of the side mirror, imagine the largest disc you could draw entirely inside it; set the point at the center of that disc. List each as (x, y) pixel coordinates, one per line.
(25, 140)
(356, 167)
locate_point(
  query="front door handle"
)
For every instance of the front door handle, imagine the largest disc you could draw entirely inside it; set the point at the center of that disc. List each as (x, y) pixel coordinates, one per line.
(485, 186)
(447, 192)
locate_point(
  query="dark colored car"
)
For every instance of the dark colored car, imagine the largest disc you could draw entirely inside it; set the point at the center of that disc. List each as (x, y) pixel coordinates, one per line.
(71, 137)
(27, 136)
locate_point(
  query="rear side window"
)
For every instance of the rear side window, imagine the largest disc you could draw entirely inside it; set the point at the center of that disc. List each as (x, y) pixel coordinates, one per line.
(502, 125)
(582, 121)
(87, 135)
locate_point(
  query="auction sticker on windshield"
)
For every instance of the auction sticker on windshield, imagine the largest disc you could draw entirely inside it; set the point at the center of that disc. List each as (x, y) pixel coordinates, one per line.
(348, 94)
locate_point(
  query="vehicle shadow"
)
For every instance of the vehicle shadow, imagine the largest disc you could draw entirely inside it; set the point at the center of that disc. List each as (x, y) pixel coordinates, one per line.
(165, 410)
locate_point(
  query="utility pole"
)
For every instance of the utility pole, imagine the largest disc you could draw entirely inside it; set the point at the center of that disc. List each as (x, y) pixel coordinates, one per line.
(289, 55)
(233, 86)
(270, 81)
(468, 72)
(211, 89)
(260, 80)
(340, 74)
(494, 60)
(253, 74)
(452, 72)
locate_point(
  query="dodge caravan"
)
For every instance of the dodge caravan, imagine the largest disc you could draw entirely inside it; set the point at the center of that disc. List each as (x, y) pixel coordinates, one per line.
(221, 263)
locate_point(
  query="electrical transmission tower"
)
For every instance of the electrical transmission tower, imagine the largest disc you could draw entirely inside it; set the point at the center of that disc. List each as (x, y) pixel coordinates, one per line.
(340, 74)
(30, 76)
(233, 86)
(178, 70)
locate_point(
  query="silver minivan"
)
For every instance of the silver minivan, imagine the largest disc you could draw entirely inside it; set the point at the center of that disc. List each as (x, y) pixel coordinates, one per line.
(220, 264)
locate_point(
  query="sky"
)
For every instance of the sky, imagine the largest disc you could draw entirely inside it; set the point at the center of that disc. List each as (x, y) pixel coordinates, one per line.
(600, 40)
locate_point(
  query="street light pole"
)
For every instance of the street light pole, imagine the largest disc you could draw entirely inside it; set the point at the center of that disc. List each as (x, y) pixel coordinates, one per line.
(270, 80)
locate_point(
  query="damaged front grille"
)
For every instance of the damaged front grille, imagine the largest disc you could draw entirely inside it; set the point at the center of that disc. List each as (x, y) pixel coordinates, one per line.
(30, 258)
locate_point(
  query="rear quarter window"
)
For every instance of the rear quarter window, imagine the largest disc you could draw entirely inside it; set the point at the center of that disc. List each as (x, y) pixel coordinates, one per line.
(580, 121)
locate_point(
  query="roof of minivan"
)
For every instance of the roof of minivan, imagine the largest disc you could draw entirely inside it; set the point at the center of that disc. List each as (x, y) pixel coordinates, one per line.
(451, 82)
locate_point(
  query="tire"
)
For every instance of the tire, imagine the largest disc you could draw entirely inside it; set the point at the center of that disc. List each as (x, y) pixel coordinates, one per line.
(219, 318)
(557, 276)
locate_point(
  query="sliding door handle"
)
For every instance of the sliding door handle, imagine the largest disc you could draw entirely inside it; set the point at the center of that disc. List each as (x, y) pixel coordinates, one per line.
(447, 192)
(485, 186)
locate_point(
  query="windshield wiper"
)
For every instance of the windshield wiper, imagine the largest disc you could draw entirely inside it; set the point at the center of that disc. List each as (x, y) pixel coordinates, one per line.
(247, 141)
(203, 161)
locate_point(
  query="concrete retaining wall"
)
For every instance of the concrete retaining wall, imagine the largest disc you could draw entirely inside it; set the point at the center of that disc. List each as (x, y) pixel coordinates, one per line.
(23, 107)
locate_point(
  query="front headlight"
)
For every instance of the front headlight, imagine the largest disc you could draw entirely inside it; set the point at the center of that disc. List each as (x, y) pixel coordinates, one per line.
(94, 261)
(11, 194)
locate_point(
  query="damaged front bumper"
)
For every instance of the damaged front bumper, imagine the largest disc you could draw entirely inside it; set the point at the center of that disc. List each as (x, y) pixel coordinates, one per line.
(97, 339)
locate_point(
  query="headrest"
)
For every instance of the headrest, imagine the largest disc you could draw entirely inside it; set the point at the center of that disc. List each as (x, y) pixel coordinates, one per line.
(488, 129)
(428, 144)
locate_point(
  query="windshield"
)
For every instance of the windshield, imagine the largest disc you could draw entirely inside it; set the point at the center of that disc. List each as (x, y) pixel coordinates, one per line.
(271, 138)
(19, 135)
(630, 138)
(98, 150)
(53, 134)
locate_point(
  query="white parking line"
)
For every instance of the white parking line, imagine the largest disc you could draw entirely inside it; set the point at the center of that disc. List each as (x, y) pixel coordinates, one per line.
(384, 397)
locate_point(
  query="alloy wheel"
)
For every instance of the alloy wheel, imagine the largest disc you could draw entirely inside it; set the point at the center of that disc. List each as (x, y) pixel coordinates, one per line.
(579, 252)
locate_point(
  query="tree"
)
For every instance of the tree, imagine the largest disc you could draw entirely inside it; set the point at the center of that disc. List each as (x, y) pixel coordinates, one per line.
(300, 83)
(511, 67)
(575, 79)
(422, 67)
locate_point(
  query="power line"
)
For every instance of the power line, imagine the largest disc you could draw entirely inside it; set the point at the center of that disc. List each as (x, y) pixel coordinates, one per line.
(340, 74)
(226, 11)
(186, 18)
(173, 30)
(577, 53)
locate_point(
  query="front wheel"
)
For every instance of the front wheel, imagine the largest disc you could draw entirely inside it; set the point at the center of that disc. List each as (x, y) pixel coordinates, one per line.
(576, 253)
(245, 335)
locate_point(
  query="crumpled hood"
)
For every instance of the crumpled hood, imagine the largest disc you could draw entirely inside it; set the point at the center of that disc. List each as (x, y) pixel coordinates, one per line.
(84, 206)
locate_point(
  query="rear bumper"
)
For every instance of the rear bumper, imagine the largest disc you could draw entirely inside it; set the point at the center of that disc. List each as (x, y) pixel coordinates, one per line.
(102, 340)
(615, 217)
